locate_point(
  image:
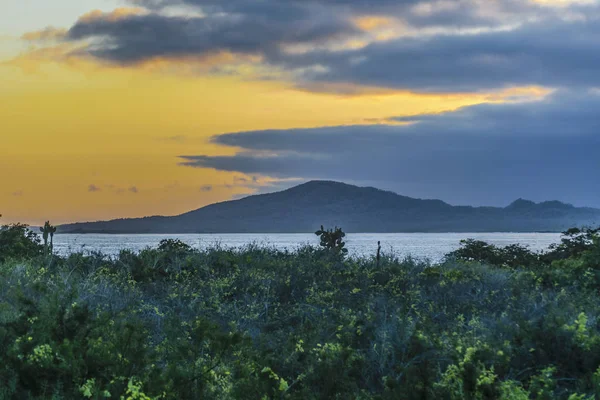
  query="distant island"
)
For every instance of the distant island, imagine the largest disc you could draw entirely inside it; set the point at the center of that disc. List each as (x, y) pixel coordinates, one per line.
(357, 209)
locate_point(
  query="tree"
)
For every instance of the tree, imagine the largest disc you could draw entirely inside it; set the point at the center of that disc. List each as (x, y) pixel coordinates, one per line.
(574, 242)
(48, 230)
(512, 256)
(174, 246)
(18, 241)
(52, 232)
(332, 239)
(477, 250)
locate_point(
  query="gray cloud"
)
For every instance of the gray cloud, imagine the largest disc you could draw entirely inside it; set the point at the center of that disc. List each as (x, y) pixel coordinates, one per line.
(558, 50)
(94, 188)
(18, 193)
(550, 53)
(206, 188)
(133, 189)
(460, 12)
(136, 38)
(485, 154)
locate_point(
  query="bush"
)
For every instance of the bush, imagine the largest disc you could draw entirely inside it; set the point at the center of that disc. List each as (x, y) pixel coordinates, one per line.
(574, 243)
(17, 241)
(257, 323)
(512, 256)
(332, 239)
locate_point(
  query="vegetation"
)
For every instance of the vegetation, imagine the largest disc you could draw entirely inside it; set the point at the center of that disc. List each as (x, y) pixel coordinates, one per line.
(18, 242)
(48, 230)
(575, 242)
(333, 240)
(258, 323)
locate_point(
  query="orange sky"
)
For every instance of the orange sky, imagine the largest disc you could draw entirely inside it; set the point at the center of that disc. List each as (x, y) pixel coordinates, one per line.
(85, 141)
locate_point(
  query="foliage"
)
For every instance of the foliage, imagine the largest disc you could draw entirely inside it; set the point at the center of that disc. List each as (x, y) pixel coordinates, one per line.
(511, 256)
(575, 242)
(332, 239)
(48, 230)
(256, 323)
(17, 241)
(174, 246)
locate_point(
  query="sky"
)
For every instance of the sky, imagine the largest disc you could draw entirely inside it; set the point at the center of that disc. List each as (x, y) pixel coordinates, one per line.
(129, 108)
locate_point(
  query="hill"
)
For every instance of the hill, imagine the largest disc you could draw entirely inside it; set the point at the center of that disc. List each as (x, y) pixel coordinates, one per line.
(357, 209)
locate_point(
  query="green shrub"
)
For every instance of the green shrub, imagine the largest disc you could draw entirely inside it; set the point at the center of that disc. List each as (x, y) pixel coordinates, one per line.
(258, 323)
(17, 241)
(332, 239)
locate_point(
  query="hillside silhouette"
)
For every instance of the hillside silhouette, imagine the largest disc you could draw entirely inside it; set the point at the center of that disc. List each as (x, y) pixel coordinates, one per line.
(305, 207)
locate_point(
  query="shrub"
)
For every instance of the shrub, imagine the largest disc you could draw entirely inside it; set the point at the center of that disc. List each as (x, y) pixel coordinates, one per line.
(332, 239)
(259, 323)
(17, 241)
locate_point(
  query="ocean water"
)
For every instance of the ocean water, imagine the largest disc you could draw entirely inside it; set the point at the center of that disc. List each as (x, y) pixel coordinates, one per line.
(430, 246)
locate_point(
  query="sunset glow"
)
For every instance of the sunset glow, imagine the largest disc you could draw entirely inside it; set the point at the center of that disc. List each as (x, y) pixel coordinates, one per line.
(90, 131)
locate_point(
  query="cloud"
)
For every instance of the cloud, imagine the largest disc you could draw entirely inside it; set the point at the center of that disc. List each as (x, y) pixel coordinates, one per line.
(549, 53)
(113, 188)
(49, 33)
(206, 188)
(485, 155)
(175, 138)
(463, 11)
(343, 45)
(133, 38)
(441, 46)
(115, 15)
(18, 193)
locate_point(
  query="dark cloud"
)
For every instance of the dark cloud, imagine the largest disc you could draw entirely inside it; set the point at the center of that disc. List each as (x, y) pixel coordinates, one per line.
(550, 53)
(286, 9)
(457, 12)
(94, 188)
(206, 188)
(485, 154)
(135, 38)
(18, 193)
(133, 189)
(555, 51)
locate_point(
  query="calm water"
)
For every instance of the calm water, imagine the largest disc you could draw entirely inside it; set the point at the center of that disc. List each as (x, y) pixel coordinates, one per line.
(432, 246)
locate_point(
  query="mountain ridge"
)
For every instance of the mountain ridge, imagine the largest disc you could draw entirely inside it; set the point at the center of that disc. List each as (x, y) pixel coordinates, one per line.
(305, 207)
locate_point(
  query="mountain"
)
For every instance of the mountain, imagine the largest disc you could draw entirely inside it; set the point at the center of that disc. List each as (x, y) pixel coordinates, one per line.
(356, 209)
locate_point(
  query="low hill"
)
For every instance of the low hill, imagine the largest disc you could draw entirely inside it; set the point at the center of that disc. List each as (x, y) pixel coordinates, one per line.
(357, 209)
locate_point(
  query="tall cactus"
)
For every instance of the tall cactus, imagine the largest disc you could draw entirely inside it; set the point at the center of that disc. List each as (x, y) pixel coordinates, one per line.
(45, 233)
(48, 231)
(52, 232)
(332, 239)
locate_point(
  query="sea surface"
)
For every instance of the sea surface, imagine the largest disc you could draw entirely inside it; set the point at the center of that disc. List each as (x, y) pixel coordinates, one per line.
(430, 246)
